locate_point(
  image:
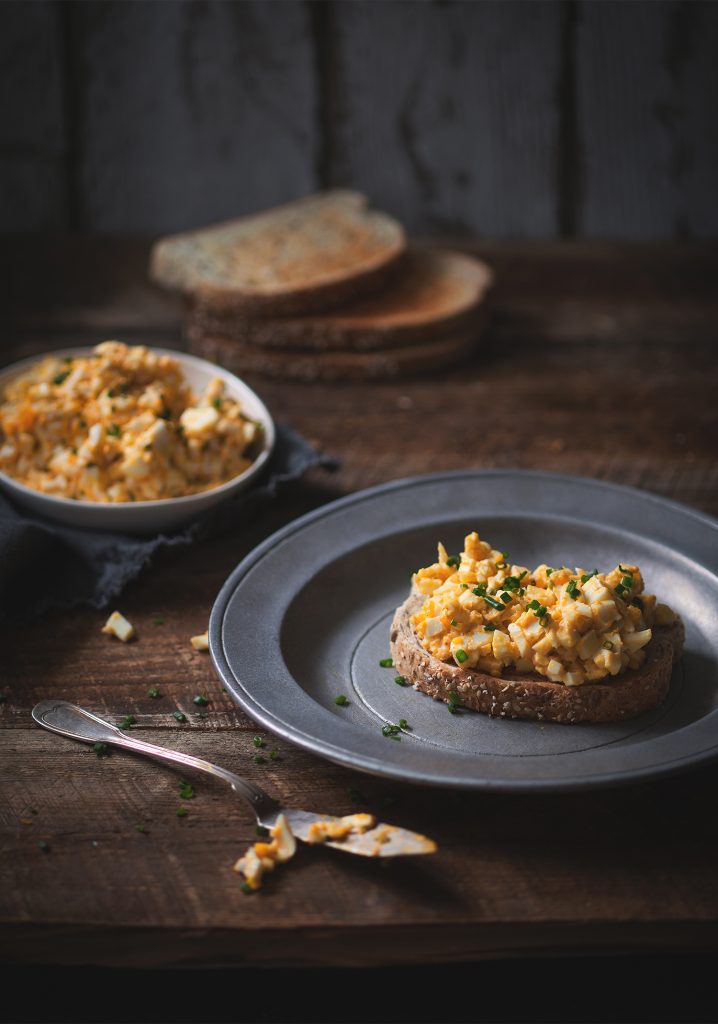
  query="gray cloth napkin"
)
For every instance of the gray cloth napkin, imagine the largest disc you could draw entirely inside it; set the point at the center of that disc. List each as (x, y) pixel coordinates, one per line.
(45, 565)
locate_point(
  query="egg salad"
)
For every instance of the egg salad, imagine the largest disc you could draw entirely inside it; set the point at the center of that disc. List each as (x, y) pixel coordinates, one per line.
(120, 425)
(572, 626)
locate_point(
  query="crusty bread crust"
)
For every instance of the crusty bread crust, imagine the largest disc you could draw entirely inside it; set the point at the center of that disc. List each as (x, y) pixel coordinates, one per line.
(533, 696)
(310, 254)
(345, 365)
(436, 293)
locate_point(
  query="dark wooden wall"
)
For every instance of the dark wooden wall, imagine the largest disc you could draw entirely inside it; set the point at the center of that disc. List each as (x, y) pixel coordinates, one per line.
(534, 119)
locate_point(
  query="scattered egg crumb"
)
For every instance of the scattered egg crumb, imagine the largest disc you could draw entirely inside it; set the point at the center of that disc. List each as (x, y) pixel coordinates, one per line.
(117, 625)
(321, 831)
(262, 857)
(200, 642)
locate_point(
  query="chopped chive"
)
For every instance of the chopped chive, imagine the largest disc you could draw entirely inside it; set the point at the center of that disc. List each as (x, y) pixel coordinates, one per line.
(479, 590)
(140, 828)
(549, 571)
(258, 741)
(460, 656)
(638, 602)
(386, 662)
(627, 582)
(621, 569)
(273, 755)
(572, 589)
(587, 576)
(493, 602)
(113, 430)
(258, 759)
(620, 590)
(390, 731)
(608, 645)
(186, 791)
(200, 701)
(180, 716)
(246, 888)
(464, 586)
(182, 812)
(521, 575)
(454, 561)
(61, 377)
(44, 846)
(217, 403)
(261, 830)
(153, 692)
(488, 628)
(403, 724)
(400, 680)
(506, 598)
(100, 749)
(454, 622)
(341, 700)
(126, 722)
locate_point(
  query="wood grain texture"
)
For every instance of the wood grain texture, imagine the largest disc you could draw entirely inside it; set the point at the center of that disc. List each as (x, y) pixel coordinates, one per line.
(618, 870)
(647, 96)
(33, 130)
(445, 113)
(193, 112)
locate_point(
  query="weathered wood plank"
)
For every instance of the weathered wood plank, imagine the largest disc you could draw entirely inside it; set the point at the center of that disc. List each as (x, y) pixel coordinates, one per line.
(446, 115)
(193, 112)
(647, 109)
(33, 180)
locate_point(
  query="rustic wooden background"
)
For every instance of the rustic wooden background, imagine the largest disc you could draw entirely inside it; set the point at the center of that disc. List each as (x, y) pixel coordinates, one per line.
(531, 119)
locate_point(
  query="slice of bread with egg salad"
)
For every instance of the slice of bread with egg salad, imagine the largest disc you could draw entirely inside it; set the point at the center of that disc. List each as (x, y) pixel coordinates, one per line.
(551, 644)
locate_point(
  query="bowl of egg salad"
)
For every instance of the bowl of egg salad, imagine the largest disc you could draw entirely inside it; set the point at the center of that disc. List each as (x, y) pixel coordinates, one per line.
(127, 438)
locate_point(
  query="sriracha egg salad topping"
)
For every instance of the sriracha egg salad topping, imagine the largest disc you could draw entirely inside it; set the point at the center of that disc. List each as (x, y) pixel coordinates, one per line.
(571, 626)
(121, 424)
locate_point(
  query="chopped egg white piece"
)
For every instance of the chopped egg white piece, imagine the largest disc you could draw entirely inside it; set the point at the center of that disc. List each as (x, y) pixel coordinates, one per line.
(117, 625)
(262, 857)
(200, 642)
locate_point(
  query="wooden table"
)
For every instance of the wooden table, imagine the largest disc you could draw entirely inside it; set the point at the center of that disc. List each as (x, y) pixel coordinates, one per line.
(601, 360)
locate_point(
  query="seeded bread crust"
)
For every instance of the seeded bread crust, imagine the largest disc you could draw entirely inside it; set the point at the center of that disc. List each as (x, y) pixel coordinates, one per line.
(533, 696)
(348, 366)
(311, 254)
(436, 293)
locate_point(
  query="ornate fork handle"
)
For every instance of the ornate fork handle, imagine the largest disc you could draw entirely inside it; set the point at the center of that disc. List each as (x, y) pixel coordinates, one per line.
(78, 724)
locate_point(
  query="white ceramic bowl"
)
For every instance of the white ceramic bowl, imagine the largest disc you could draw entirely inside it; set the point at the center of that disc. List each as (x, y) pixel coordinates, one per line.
(145, 516)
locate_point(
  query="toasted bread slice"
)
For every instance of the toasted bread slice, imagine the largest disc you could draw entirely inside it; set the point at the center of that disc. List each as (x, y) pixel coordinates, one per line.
(345, 365)
(534, 696)
(310, 254)
(435, 294)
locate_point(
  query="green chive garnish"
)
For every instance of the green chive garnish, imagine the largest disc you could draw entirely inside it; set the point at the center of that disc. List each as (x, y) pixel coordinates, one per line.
(587, 576)
(341, 700)
(153, 692)
(460, 656)
(180, 716)
(493, 602)
(258, 759)
(126, 722)
(400, 680)
(387, 662)
(488, 628)
(217, 403)
(620, 590)
(454, 561)
(506, 598)
(61, 377)
(182, 812)
(246, 888)
(572, 589)
(200, 701)
(100, 749)
(390, 731)
(140, 828)
(479, 590)
(403, 724)
(638, 602)
(549, 571)
(258, 741)
(113, 430)
(273, 755)
(627, 582)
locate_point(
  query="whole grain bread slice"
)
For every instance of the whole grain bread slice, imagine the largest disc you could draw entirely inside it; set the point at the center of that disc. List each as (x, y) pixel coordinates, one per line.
(334, 365)
(310, 254)
(534, 696)
(436, 293)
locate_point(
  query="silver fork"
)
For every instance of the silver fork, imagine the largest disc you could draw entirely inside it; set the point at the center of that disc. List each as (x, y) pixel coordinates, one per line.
(79, 724)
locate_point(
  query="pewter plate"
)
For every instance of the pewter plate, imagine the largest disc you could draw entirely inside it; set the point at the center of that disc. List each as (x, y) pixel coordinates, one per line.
(306, 616)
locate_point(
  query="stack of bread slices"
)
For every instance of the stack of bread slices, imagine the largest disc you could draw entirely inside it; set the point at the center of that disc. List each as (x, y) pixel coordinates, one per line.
(324, 288)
